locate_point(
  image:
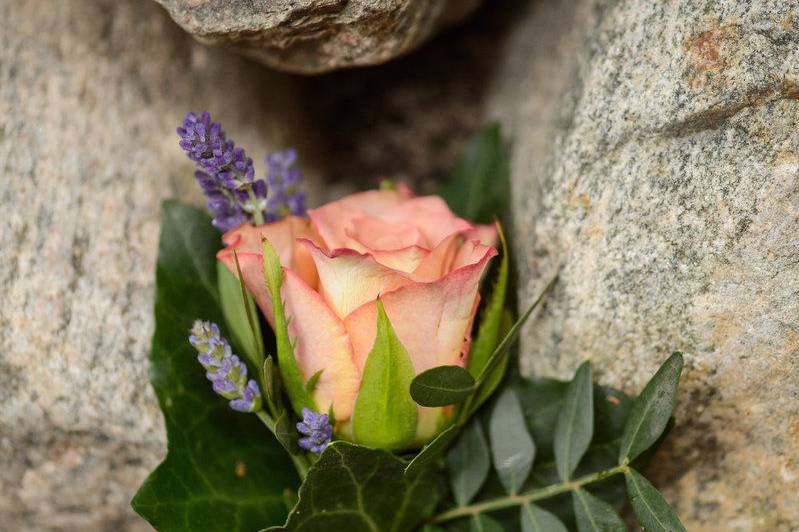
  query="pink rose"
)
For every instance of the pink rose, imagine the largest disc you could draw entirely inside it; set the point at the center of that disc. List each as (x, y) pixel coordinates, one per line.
(423, 262)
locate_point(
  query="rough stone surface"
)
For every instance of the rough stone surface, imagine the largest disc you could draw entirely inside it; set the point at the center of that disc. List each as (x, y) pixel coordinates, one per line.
(656, 158)
(313, 36)
(90, 95)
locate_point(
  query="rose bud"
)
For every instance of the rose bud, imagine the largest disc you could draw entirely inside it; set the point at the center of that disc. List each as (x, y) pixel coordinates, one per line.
(383, 248)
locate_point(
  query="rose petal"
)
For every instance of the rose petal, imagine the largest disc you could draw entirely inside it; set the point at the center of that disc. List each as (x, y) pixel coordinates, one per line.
(485, 234)
(431, 215)
(246, 241)
(333, 219)
(349, 279)
(321, 342)
(432, 320)
(376, 234)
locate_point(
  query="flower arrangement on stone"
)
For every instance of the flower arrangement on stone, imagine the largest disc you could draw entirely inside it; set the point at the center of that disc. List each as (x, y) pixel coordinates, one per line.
(363, 335)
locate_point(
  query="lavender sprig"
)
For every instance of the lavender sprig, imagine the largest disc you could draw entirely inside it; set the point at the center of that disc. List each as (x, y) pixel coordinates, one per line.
(286, 197)
(224, 369)
(226, 174)
(316, 429)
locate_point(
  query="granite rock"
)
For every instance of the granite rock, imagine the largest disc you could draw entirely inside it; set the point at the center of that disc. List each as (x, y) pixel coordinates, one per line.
(313, 36)
(90, 95)
(656, 163)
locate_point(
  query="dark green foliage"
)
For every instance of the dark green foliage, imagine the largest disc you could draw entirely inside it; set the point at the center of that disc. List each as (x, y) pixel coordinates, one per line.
(442, 386)
(223, 471)
(353, 488)
(479, 188)
(652, 409)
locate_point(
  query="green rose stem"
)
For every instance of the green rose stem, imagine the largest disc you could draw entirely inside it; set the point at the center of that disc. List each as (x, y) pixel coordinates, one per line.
(525, 498)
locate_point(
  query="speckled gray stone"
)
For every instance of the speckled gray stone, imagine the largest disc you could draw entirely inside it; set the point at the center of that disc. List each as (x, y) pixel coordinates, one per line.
(313, 36)
(90, 95)
(656, 158)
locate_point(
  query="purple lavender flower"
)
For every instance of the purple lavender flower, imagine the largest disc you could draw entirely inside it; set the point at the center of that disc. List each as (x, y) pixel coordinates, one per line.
(316, 429)
(286, 197)
(226, 174)
(226, 372)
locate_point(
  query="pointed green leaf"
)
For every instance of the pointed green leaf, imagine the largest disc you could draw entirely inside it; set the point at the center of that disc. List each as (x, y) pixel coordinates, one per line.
(575, 422)
(495, 376)
(491, 322)
(442, 386)
(507, 342)
(433, 450)
(286, 362)
(479, 188)
(385, 415)
(651, 410)
(535, 519)
(286, 433)
(310, 386)
(485, 523)
(468, 463)
(245, 333)
(595, 515)
(512, 448)
(653, 512)
(271, 382)
(353, 488)
(223, 470)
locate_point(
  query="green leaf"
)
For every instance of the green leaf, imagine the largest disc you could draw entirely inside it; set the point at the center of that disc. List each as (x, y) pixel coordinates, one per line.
(353, 488)
(595, 515)
(541, 400)
(495, 376)
(286, 433)
(223, 470)
(433, 450)
(241, 315)
(507, 342)
(652, 409)
(442, 386)
(479, 188)
(535, 519)
(384, 416)
(484, 523)
(653, 512)
(491, 322)
(468, 463)
(575, 422)
(287, 364)
(512, 447)
(310, 386)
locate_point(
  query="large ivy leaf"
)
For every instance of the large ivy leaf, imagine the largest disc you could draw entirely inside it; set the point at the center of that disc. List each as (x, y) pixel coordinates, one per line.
(479, 188)
(356, 489)
(223, 470)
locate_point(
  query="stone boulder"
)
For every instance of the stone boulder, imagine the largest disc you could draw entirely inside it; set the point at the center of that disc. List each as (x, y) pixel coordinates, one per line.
(314, 36)
(90, 95)
(656, 163)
